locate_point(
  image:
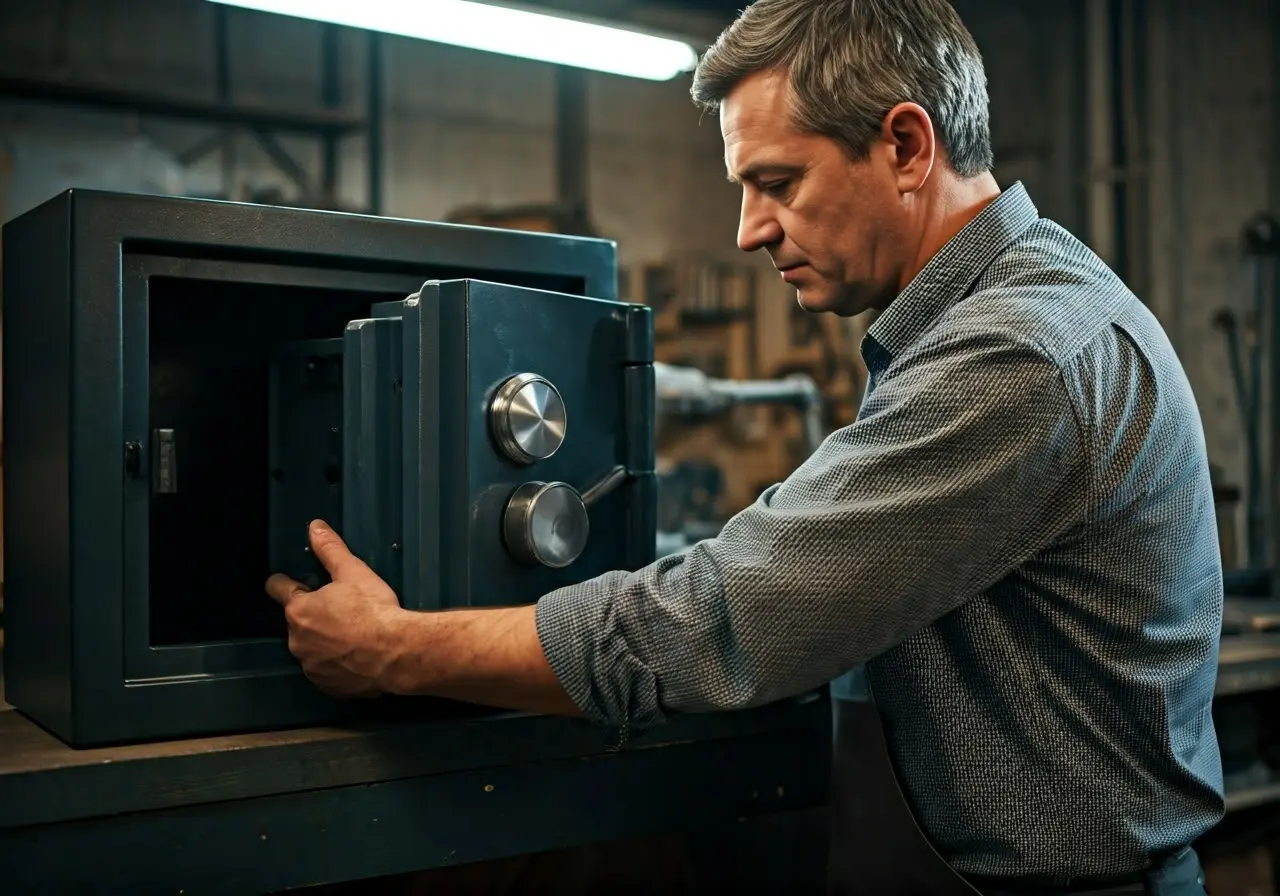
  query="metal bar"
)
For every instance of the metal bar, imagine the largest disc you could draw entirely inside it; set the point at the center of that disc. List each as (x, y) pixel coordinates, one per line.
(1272, 318)
(285, 162)
(200, 149)
(62, 53)
(375, 123)
(571, 147)
(1100, 124)
(331, 97)
(1175, 85)
(1158, 200)
(1080, 132)
(1255, 505)
(1136, 160)
(1117, 52)
(222, 78)
(608, 483)
(279, 120)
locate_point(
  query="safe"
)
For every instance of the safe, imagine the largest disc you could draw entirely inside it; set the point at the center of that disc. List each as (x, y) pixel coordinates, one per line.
(187, 383)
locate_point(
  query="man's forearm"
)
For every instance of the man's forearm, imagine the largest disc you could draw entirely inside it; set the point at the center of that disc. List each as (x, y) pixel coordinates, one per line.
(491, 657)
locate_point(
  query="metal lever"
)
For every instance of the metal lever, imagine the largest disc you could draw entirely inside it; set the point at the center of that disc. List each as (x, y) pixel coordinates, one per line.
(608, 483)
(547, 524)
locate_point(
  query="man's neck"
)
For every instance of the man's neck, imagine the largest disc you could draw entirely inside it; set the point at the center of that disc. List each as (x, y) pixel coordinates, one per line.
(952, 203)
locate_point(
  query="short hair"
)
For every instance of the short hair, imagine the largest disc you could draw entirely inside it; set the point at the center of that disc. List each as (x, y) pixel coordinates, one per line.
(848, 62)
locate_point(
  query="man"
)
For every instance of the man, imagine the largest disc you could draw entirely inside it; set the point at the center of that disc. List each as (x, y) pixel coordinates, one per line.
(1016, 537)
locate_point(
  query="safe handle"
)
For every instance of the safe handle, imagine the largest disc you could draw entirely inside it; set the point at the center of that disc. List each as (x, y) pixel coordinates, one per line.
(548, 524)
(607, 484)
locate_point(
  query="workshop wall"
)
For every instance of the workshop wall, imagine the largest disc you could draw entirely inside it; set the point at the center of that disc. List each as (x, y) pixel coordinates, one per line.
(462, 128)
(465, 128)
(1205, 98)
(1212, 81)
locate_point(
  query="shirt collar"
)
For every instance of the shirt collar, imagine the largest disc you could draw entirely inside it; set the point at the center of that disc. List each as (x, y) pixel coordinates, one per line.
(949, 275)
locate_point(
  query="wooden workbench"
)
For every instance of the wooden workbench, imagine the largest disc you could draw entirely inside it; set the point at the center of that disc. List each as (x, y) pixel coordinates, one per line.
(265, 812)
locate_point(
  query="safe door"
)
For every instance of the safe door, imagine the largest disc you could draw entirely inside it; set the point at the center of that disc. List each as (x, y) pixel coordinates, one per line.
(476, 443)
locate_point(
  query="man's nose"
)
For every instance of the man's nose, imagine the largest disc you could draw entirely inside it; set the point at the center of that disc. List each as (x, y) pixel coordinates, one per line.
(757, 227)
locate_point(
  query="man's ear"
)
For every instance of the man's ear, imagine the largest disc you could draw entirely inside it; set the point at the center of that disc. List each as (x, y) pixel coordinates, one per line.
(908, 132)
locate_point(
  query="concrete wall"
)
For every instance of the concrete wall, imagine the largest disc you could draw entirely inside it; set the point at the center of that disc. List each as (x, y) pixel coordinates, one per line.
(1212, 166)
(655, 167)
(1208, 162)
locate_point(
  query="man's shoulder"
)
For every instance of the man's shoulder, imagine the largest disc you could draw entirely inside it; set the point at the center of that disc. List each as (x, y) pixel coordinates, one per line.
(1050, 290)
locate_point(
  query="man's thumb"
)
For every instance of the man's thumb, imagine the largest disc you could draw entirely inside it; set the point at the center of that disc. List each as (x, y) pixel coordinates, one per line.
(333, 553)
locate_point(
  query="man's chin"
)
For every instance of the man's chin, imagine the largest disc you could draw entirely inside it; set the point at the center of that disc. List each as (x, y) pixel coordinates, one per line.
(822, 302)
(812, 300)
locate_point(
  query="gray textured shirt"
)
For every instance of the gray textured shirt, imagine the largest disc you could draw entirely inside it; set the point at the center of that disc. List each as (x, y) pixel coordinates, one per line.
(1015, 539)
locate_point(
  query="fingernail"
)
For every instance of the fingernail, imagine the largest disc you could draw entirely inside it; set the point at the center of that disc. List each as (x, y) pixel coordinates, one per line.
(318, 527)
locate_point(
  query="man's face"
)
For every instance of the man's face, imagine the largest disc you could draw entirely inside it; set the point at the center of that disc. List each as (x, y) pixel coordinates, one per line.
(836, 229)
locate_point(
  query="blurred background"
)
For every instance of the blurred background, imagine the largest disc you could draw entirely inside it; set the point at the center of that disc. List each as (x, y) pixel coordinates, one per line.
(1149, 128)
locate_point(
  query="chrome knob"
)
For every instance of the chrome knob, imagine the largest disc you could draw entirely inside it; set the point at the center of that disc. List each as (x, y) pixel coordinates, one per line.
(527, 417)
(546, 523)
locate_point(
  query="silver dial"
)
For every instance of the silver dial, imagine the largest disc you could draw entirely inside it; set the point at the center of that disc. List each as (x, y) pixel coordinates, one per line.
(546, 523)
(528, 418)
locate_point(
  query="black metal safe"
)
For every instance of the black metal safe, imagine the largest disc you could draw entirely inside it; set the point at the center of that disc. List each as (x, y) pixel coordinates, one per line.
(187, 383)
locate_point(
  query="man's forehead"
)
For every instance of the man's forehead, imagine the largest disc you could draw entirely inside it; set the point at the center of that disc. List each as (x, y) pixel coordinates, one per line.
(759, 137)
(759, 99)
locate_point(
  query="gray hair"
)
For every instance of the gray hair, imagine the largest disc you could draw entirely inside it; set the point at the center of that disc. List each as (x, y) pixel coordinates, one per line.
(849, 62)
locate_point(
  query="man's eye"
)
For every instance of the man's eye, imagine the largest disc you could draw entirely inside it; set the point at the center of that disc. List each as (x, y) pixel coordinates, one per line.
(775, 187)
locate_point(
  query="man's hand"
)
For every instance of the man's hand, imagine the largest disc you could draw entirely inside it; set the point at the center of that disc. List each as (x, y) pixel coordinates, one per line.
(355, 640)
(343, 633)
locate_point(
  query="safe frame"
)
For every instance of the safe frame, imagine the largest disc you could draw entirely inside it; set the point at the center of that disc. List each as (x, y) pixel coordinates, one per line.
(72, 660)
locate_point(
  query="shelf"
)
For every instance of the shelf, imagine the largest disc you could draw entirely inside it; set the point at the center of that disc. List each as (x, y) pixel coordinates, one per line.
(714, 316)
(1251, 796)
(317, 121)
(1248, 663)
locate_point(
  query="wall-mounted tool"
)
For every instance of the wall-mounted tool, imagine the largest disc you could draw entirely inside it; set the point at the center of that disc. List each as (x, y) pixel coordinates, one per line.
(1258, 335)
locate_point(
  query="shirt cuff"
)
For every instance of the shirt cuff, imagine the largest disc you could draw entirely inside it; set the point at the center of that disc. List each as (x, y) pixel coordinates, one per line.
(582, 630)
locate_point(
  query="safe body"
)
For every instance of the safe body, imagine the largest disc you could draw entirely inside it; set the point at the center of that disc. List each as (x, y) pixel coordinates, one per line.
(187, 383)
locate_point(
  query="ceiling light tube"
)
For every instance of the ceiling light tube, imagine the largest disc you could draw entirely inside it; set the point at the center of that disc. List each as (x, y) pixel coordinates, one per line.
(501, 28)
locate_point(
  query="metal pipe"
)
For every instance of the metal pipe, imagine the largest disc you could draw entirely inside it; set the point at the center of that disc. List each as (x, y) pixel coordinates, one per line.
(690, 391)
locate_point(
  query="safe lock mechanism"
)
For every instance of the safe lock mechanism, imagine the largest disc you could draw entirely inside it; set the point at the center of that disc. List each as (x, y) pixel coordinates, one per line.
(528, 418)
(547, 522)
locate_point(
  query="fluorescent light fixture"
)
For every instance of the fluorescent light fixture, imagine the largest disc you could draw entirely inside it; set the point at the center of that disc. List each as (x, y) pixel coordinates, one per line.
(501, 28)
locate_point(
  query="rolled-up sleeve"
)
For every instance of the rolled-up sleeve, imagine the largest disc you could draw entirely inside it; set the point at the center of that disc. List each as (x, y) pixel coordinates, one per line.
(961, 466)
